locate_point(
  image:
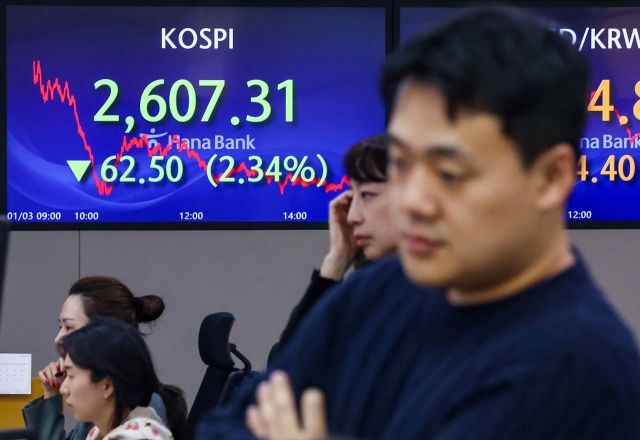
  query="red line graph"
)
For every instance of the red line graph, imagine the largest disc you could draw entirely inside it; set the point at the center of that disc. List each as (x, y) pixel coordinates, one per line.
(632, 137)
(49, 90)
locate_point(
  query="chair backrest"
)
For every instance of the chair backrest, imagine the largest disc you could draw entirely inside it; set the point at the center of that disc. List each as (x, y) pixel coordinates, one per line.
(215, 352)
(233, 382)
(213, 340)
(235, 378)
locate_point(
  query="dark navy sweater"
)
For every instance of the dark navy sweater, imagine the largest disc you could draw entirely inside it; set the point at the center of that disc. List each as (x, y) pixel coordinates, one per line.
(397, 361)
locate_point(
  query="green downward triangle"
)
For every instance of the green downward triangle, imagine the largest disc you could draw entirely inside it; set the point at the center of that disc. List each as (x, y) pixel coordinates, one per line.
(79, 167)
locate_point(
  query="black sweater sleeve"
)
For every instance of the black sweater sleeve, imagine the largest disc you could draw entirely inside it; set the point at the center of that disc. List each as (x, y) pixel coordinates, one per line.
(316, 289)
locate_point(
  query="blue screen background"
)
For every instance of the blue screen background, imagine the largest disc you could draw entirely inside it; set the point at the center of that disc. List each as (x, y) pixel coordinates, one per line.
(333, 55)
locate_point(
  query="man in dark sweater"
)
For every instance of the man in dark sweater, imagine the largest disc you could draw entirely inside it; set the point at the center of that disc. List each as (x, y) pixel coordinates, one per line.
(512, 339)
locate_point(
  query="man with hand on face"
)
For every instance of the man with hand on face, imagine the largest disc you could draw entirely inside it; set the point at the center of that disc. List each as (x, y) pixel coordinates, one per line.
(489, 325)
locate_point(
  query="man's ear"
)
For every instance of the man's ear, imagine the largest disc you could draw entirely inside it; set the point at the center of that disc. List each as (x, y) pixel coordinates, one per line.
(554, 172)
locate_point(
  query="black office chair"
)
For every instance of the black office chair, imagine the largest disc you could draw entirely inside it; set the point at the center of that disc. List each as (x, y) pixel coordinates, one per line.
(235, 379)
(215, 351)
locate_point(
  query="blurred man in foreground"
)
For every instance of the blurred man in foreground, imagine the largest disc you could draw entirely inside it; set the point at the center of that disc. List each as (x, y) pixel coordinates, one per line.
(489, 325)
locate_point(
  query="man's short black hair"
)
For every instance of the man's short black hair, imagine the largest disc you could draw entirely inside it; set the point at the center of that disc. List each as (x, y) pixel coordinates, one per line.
(501, 61)
(366, 161)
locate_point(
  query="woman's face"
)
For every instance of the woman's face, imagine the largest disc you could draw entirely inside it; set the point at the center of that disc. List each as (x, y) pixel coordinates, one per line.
(369, 216)
(88, 401)
(72, 317)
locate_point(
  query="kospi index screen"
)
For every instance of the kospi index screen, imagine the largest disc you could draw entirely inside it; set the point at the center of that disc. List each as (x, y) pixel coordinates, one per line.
(607, 192)
(217, 116)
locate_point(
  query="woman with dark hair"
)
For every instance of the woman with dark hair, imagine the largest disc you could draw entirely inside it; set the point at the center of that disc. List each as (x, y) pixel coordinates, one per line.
(360, 229)
(88, 298)
(110, 382)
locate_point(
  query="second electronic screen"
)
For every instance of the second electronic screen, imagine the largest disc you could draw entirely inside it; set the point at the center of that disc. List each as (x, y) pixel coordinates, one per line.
(608, 165)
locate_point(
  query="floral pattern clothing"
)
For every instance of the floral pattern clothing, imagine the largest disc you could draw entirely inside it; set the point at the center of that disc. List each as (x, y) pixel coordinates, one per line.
(142, 423)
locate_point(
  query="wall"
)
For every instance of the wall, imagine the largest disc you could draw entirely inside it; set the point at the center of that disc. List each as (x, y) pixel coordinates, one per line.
(256, 275)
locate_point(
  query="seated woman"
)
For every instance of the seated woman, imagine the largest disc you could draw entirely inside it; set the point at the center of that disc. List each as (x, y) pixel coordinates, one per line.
(88, 298)
(360, 228)
(109, 383)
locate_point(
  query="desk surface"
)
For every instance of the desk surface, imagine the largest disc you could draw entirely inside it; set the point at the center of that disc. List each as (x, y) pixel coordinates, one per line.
(11, 405)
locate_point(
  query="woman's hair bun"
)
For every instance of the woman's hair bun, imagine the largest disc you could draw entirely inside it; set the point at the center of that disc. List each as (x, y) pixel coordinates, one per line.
(149, 308)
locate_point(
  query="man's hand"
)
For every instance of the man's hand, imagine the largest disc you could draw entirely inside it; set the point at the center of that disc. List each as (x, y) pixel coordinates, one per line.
(275, 416)
(343, 245)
